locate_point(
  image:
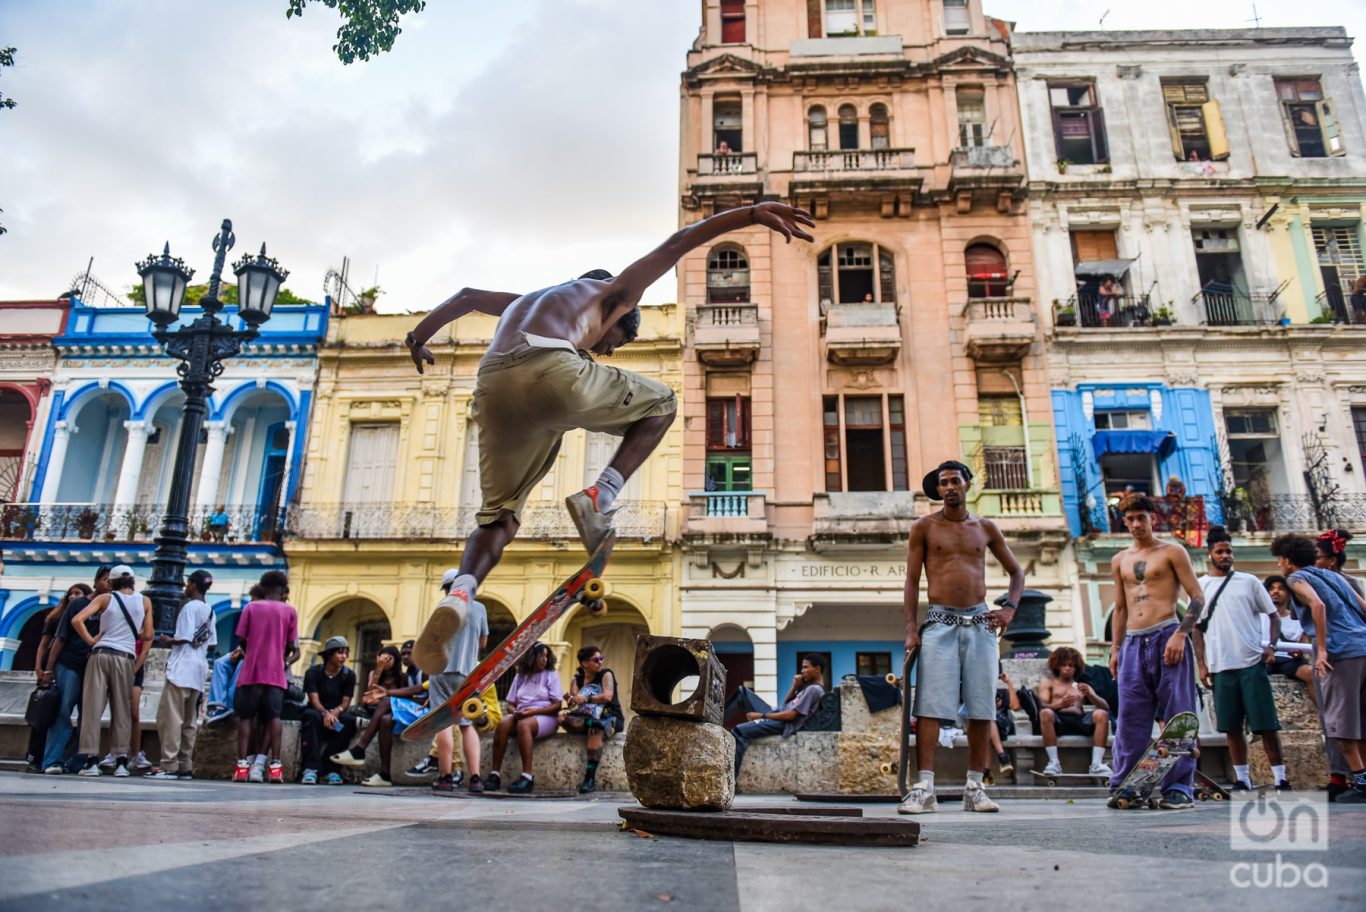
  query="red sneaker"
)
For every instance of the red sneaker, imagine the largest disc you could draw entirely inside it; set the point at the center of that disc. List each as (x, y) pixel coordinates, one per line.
(276, 772)
(243, 769)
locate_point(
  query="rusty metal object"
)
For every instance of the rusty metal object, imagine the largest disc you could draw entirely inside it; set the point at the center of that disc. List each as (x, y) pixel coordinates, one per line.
(753, 827)
(661, 663)
(792, 809)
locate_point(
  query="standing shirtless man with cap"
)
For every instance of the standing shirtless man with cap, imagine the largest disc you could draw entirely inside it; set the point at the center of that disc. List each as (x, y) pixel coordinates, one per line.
(959, 653)
(539, 380)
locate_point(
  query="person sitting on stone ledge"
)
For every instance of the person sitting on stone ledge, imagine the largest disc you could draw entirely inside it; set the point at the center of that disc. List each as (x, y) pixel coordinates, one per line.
(1286, 663)
(1062, 701)
(594, 710)
(801, 701)
(1007, 704)
(386, 679)
(534, 699)
(327, 726)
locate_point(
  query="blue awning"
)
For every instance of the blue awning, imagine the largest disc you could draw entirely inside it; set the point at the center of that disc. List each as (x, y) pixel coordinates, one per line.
(1159, 443)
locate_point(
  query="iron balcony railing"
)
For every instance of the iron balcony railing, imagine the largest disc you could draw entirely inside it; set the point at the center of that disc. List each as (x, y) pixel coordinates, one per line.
(1091, 311)
(854, 160)
(1293, 512)
(135, 523)
(546, 519)
(1006, 468)
(1230, 307)
(1339, 306)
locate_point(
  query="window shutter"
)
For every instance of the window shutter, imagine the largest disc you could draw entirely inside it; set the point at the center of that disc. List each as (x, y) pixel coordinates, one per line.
(1332, 130)
(716, 424)
(1178, 147)
(1098, 138)
(813, 19)
(1057, 133)
(742, 422)
(1289, 126)
(1214, 129)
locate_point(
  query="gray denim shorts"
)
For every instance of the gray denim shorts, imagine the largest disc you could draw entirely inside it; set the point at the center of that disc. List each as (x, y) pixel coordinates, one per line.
(957, 668)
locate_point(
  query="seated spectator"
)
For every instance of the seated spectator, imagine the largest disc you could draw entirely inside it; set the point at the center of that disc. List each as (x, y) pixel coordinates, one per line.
(125, 620)
(186, 668)
(327, 726)
(1062, 702)
(802, 699)
(219, 523)
(1290, 664)
(594, 710)
(534, 699)
(223, 685)
(1007, 704)
(385, 687)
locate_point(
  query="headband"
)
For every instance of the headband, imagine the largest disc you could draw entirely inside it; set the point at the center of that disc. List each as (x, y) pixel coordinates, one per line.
(1337, 541)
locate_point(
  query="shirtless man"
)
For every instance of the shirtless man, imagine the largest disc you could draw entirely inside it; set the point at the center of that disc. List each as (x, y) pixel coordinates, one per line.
(538, 381)
(1149, 658)
(959, 653)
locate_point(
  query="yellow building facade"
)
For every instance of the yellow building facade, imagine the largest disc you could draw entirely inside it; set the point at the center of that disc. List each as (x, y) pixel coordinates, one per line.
(391, 486)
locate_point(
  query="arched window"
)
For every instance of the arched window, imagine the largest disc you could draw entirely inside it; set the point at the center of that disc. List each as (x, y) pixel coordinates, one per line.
(727, 276)
(879, 126)
(816, 130)
(856, 273)
(848, 127)
(987, 271)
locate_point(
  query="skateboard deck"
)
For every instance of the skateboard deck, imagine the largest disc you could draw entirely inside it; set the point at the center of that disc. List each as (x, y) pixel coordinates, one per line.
(1206, 789)
(904, 757)
(584, 587)
(1053, 778)
(1175, 742)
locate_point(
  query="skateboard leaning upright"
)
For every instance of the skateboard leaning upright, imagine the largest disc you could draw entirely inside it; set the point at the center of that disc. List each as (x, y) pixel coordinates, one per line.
(904, 758)
(1175, 742)
(583, 588)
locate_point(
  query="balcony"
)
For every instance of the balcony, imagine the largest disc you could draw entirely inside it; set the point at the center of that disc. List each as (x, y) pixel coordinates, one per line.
(727, 335)
(139, 523)
(845, 170)
(732, 175)
(544, 520)
(1090, 311)
(999, 329)
(862, 334)
(740, 513)
(1227, 306)
(1249, 513)
(1334, 305)
(862, 517)
(990, 172)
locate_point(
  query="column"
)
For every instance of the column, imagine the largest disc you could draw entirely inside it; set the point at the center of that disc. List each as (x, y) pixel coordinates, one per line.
(56, 460)
(289, 464)
(212, 468)
(130, 472)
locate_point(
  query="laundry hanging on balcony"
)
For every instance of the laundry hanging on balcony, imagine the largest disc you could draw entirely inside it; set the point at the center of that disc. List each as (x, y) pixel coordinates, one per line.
(1160, 443)
(1101, 268)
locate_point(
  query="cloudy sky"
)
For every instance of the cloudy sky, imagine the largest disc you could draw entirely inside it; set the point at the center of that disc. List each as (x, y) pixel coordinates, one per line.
(503, 145)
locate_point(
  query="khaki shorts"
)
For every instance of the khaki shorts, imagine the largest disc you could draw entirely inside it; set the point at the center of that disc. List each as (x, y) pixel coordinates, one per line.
(526, 399)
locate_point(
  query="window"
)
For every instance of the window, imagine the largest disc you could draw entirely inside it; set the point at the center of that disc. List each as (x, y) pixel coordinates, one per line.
(732, 21)
(1359, 425)
(1078, 124)
(1006, 468)
(869, 8)
(879, 126)
(956, 17)
(816, 130)
(872, 664)
(866, 444)
(1310, 122)
(1196, 124)
(1254, 450)
(727, 276)
(848, 127)
(987, 275)
(1124, 421)
(729, 465)
(1250, 422)
(854, 276)
(841, 17)
(726, 125)
(972, 118)
(1340, 263)
(1222, 283)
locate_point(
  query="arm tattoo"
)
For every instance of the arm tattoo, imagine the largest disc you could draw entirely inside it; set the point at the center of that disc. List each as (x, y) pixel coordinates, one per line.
(1193, 611)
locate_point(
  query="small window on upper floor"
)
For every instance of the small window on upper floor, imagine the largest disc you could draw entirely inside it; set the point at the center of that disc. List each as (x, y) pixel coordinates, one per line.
(879, 126)
(727, 276)
(1195, 122)
(841, 18)
(987, 276)
(1132, 420)
(732, 21)
(857, 273)
(727, 127)
(848, 127)
(817, 130)
(972, 117)
(1311, 123)
(956, 20)
(1078, 124)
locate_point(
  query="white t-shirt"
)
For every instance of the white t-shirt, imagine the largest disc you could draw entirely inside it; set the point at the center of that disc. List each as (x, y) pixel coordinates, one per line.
(1291, 631)
(188, 665)
(1234, 638)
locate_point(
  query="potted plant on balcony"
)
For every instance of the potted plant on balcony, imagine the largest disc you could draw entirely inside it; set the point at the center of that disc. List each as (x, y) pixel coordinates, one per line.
(1063, 165)
(1164, 316)
(1064, 315)
(86, 520)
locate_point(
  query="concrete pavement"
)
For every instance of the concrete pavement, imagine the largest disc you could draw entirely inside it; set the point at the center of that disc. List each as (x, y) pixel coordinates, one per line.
(73, 844)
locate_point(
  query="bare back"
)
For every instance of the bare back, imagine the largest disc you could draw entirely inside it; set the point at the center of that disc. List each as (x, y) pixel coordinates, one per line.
(576, 311)
(1151, 582)
(955, 559)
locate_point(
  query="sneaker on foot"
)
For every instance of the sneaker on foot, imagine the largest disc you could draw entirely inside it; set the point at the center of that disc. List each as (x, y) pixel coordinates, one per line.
(121, 768)
(476, 785)
(429, 650)
(1284, 786)
(458, 777)
(108, 762)
(592, 524)
(55, 769)
(975, 799)
(1239, 786)
(1054, 768)
(242, 771)
(140, 761)
(494, 782)
(333, 779)
(92, 769)
(920, 800)
(443, 785)
(310, 777)
(258, 772)
(424, 768)
(1007, 768)
(377, 780)
(184, 775)
(1101, 769)
(523, 786)
(354, 756)
(276, 772)
(158, 774)
(1353, 794)
(1174, 800)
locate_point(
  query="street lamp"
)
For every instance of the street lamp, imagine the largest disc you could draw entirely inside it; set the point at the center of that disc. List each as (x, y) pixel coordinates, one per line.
(201, 347)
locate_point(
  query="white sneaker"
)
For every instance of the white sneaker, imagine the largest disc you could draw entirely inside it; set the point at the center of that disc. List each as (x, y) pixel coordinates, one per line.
(140, 761)
(1054, 768)
(429, 651)
(108, 761)
(975, 799)
(1101, 769)
(920, 800)
(258, 772)
(121, 771)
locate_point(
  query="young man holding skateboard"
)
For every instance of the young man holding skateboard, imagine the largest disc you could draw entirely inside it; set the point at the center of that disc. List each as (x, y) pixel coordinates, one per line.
(539, 380)
(1149, 657)
(958, 649)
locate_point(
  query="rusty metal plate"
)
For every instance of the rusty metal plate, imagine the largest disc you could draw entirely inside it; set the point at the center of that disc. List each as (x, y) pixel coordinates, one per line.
(751, 827)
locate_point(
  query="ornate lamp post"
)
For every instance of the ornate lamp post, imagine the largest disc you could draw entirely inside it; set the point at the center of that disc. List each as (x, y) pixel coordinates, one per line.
(201, 347)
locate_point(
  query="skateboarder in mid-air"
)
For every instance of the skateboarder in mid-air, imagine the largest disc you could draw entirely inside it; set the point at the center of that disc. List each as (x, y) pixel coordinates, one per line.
(539, 380)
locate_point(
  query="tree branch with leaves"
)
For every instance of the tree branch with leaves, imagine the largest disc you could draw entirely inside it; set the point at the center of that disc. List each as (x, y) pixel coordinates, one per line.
(368, 27)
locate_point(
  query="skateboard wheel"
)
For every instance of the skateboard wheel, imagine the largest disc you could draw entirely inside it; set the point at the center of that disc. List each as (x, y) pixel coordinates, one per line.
(1218, 796)
(1152, 803)
(1202, 796)
(886, 769)
(594, 588)
(891, 679)
(1122, 803)
(1195, 753)
(597, 608)
(472, 708)
(1162, 752)
(1052, 783)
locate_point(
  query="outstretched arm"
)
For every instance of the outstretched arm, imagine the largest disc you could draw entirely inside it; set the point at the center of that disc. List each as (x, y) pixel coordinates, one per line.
(466, 300)
(626, 289)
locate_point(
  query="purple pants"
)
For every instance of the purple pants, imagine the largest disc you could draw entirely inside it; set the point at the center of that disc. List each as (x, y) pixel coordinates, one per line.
(1150, 690)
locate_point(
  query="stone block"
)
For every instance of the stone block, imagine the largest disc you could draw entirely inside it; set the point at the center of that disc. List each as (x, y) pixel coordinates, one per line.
(806, 762)
(855, 717)
(680, 765)
(215, 750)
(1306, 762)
(860, 758)
(662, 663)
(1294, 707)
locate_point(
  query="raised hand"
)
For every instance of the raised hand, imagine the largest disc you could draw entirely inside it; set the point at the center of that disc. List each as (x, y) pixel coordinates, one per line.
(419, 352)
(784, 219)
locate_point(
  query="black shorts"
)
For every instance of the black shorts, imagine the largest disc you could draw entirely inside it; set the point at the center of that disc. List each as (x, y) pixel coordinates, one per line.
(137, 676)
(259, 702)
(1286, 665)
(1075, 724)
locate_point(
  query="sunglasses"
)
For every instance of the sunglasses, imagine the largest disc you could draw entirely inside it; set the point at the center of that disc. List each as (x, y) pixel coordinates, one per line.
(596, 660)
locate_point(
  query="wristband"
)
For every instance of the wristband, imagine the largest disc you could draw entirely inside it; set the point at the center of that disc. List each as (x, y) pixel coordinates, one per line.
(753, 213)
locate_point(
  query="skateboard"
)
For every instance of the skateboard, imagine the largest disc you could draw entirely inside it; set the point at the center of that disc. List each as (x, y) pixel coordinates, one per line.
(1052, 778)
(1175, 742)
(904, 760)
(1206, 789)
(583, 588)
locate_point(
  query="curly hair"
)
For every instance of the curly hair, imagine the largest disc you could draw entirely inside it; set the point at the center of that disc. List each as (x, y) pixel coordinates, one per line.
(1298, 549)
(1066, 655)
(526, 665)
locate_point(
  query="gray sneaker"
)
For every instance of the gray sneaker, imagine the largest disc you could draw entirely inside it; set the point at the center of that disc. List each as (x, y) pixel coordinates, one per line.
(975, 799)
(429, 651)
(593, 526)
(920, 800)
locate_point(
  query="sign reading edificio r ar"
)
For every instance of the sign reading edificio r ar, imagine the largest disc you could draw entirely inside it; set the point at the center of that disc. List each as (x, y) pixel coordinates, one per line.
(866, 571)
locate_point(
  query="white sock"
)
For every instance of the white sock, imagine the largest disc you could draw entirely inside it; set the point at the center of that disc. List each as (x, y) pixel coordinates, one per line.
(926, 776)
(466, 583)
(609, 485)
(528, 777)
(1097, 755)
(1278, 773)
(975, 776)
(1240, 773)
(1052, 753)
